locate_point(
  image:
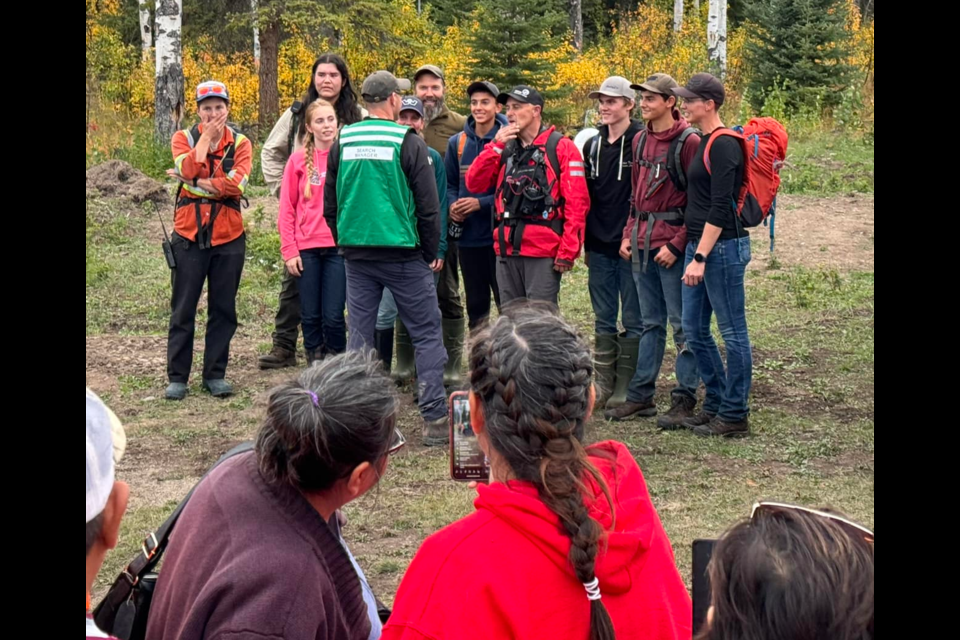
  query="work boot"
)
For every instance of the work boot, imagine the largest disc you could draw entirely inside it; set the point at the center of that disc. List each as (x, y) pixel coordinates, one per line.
(278, 358)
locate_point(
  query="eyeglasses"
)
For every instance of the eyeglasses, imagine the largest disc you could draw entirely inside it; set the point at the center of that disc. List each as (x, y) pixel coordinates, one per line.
(397, 443)
(772, 508)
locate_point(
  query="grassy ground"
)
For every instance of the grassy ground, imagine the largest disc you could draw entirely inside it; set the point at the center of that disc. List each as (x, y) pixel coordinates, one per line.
(811, 316)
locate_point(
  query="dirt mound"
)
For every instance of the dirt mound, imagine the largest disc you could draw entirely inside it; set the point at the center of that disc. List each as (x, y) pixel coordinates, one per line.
(117, 179)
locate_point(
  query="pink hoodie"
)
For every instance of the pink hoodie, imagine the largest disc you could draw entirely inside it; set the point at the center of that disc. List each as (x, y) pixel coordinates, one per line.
(300, 221)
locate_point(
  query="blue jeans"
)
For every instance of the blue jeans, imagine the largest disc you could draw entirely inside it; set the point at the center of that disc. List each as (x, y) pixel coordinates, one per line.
(387, 312)
(323, 297)
(661, 299)
(414, 288)
(611, 285)
(721, 292)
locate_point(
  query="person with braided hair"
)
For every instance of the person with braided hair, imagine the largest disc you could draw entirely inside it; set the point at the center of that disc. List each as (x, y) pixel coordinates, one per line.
(306, 244)
(565, 542)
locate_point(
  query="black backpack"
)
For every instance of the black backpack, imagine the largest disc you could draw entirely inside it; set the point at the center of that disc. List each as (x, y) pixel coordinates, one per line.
(553, 140)
(674, 164)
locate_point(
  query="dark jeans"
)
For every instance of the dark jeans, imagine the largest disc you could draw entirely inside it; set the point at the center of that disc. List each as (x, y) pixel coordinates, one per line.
(323, 297)
(479, 266)
(413, 288)
(220, 267)
(611, 286)
(661, 299)
(721, 292)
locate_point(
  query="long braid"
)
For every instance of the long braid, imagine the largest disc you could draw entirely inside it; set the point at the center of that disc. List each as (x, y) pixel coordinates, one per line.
(308, 155)
(533, 373)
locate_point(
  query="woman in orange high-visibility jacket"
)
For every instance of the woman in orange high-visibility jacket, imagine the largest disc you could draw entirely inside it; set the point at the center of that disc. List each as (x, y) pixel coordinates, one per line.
(212, 162)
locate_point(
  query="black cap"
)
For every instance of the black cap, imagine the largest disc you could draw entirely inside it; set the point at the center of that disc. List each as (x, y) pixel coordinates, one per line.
(522, 93)
(483, 85)
(412, 103)
(704, 86)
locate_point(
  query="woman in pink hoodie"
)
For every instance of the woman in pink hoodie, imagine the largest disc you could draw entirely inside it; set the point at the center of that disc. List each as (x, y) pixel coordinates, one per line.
(306, 243)
(565, 543)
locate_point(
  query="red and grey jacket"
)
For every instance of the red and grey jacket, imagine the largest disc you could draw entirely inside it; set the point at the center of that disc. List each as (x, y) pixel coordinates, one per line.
(554, 230)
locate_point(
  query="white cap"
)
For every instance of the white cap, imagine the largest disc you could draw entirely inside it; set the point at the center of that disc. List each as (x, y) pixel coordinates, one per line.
(106, 442)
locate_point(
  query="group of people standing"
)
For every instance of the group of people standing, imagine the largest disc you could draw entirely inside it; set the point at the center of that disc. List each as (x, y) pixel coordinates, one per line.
(382, 208)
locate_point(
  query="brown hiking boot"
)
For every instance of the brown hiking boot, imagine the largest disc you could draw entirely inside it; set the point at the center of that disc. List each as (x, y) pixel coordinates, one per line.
(697, 420)
(278, 358)
(629, 410)
(681, 409)
(718, 427)
(436, 433)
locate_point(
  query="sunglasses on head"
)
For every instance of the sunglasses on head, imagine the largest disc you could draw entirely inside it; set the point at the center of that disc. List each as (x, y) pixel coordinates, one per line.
(773, 508)
(214, 89)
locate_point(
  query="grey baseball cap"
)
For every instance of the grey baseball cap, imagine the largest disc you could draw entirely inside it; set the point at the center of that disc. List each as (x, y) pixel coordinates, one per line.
(658, 83)
(380, 85)
(614, 87)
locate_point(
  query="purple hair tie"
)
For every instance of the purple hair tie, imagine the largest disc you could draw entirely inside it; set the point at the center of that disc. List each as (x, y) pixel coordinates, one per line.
(314, 398)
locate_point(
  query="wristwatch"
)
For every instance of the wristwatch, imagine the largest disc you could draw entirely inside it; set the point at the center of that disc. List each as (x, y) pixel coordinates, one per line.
(699, 257)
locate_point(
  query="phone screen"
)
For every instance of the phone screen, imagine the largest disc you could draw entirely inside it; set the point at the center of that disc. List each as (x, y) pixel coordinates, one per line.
(467, 460)
(702, 551)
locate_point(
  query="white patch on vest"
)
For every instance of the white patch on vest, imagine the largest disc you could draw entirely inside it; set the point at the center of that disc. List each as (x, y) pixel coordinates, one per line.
(368, 153)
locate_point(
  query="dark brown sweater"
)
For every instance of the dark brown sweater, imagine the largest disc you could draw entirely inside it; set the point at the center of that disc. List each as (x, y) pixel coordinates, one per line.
(250, 560)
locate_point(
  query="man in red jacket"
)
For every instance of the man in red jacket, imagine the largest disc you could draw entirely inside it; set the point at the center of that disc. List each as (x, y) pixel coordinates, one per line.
(541, 199)
(654, 240)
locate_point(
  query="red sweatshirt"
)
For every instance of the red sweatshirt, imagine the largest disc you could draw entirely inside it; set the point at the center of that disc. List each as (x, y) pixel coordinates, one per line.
(539, 241)
(503, 573)
(665, 197)
(301, 221)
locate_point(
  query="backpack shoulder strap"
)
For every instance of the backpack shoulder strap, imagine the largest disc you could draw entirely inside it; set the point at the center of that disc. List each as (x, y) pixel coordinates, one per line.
(461, 143)
(640, 143)
(590, 158)
(675, 159)
(152, 549)
(295, 109)
(193, 135)
(713, 138)
(553, 140)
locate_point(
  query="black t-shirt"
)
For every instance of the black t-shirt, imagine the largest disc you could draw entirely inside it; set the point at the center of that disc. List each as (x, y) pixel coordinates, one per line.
(711, 197)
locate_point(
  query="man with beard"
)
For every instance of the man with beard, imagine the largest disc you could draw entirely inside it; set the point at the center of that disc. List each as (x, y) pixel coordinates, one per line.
(441, 122)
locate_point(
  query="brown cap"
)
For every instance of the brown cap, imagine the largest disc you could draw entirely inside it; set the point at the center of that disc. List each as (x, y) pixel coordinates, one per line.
(428, 68)
(703, 86)
(658, 83)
